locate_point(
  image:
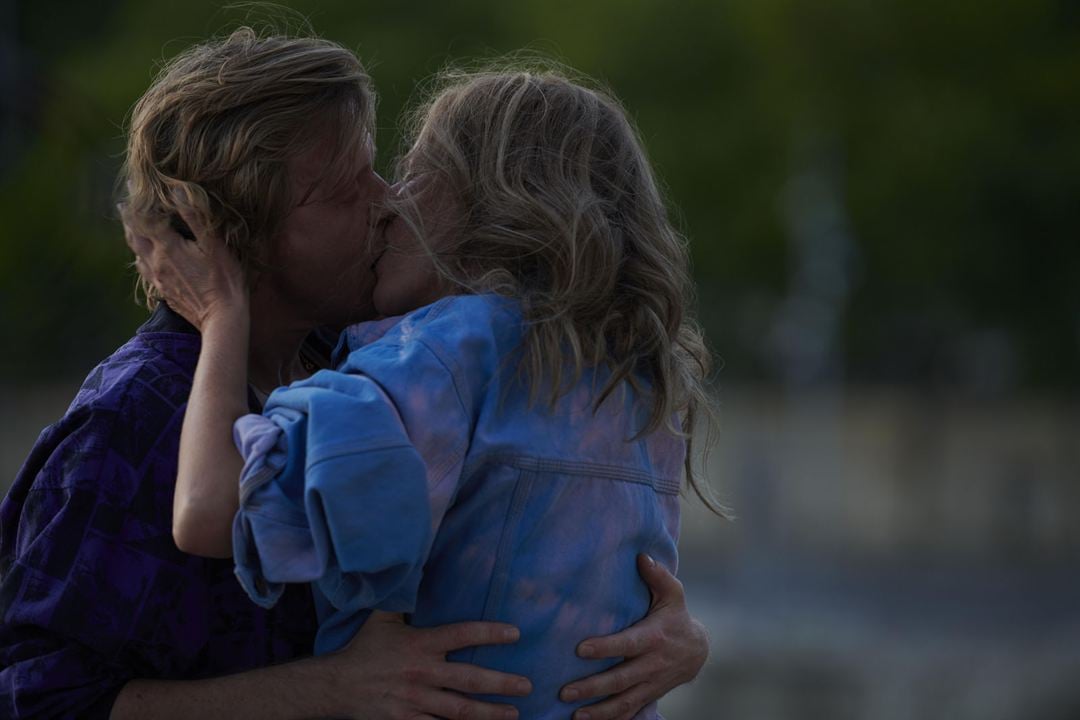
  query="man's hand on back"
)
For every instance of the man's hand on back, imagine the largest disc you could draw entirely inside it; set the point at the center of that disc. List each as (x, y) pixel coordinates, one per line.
(664, 650)
(391, 671)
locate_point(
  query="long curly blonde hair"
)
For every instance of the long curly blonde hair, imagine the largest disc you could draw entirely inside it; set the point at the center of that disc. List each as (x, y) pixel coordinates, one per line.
(561, 209)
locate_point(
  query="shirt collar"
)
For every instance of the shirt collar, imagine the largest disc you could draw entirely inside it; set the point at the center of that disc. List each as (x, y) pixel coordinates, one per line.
(165, 319)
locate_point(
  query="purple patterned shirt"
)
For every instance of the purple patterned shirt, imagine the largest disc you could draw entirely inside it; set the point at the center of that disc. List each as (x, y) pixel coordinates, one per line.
(93, 591)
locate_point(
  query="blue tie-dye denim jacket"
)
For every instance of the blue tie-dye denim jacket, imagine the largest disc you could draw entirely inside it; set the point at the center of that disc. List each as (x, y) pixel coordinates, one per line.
(418, 478)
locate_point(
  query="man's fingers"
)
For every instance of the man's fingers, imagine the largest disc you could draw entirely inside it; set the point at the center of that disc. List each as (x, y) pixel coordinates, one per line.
(455, 707)
(619, 678)
(631, 642)
(141, 269)
(481, 681)
(618, 707)
(381, 616)
(665, 587)
(191, 218)
(143, 240)
(141, 245)
(469, 634)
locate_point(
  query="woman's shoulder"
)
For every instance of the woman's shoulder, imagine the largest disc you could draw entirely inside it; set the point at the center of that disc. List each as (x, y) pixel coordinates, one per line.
(469, 310)
(470, 331)
(465, 339)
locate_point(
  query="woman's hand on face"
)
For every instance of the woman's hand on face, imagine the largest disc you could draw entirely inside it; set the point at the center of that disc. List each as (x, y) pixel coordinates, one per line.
(201, 278)
(664, 650)
(391, 671)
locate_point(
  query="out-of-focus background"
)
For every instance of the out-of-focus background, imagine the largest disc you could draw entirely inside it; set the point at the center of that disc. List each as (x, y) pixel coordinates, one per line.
(883, 200)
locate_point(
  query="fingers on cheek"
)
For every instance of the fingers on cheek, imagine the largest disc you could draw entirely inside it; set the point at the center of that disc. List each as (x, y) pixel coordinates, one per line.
(147, 272)
(139, 244)
(155, 278)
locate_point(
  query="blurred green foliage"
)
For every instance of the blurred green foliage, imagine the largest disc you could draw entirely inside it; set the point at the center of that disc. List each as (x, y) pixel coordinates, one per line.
(953, 130)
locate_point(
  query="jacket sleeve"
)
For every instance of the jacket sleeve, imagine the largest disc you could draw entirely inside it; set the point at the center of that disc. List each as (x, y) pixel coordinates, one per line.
(347, 476)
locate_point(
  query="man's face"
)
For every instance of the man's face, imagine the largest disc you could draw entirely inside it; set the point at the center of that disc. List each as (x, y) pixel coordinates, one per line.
(321, 264)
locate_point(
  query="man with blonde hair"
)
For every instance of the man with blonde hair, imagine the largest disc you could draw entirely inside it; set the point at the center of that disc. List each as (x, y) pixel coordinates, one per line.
(269, 140)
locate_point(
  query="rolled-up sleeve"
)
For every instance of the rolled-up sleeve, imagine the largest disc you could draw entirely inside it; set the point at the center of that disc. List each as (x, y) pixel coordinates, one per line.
(344, 483)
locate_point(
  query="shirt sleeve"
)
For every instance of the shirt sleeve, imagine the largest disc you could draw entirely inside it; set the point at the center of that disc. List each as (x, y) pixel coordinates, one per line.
(93, 592)
(347, 476)
(73, 600)
(47, 675)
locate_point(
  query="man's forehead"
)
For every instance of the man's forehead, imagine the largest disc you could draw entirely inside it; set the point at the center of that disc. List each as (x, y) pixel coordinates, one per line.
(315, 162)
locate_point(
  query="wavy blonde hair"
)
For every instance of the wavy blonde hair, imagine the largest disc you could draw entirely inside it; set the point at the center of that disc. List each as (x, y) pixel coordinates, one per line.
(220, 123)
(561, 209)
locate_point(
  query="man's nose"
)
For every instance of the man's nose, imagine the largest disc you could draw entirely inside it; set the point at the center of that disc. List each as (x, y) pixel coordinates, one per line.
(394, 191)
(382, 212)
(382, 188)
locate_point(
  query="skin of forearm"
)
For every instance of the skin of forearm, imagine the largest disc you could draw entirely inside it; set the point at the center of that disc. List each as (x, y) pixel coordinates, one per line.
(300, 689)
(207, 484)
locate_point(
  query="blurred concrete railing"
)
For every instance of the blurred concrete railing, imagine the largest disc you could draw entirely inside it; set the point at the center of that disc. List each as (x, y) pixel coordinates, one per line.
(896, 555)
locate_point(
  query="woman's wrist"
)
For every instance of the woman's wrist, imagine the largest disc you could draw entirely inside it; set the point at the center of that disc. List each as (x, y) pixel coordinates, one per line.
(223, 360)
(227, 320)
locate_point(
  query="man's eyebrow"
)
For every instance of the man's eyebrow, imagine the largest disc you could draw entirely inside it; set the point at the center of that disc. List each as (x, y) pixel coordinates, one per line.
(306, 197)
(319, 184)
(343, 177)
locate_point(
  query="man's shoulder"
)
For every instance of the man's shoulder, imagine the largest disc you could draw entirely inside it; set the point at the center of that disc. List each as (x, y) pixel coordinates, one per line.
(157, 364)
(120, 415)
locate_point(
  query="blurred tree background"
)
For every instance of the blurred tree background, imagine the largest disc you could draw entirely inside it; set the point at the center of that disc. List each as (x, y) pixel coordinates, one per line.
(942, 139)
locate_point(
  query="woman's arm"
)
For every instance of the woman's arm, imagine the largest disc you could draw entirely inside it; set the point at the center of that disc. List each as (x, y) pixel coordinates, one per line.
(202, 281)
(207, 479)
